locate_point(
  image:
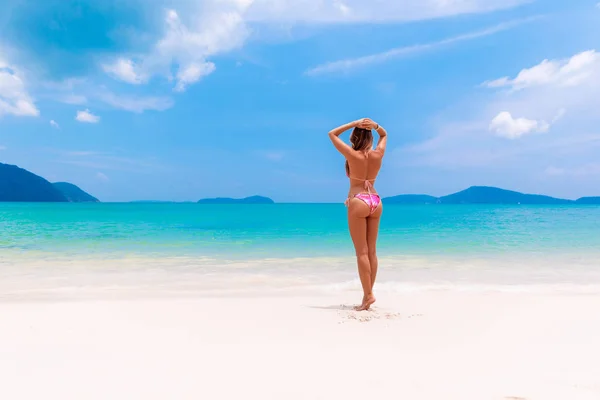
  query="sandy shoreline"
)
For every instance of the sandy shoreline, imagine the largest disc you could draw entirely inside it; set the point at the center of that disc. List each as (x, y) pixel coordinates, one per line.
(430, 345)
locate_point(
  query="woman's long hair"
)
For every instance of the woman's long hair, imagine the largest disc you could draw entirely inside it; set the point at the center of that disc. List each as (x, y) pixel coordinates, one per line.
(361, 139)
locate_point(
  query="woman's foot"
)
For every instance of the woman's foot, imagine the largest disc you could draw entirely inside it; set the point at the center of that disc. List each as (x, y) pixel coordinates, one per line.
(366, 303)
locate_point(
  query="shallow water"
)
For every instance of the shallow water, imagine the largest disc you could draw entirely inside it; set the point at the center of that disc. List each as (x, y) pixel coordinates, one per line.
(232, 248)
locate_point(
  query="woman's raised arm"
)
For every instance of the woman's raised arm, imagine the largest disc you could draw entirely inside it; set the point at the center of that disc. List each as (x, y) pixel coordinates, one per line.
(382, 142)
(339, 144)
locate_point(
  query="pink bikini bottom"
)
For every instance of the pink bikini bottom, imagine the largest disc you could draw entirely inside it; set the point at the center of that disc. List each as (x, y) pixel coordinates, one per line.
(372, 200)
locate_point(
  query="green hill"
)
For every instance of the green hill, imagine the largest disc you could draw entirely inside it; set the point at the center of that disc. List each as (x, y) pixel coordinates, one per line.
(492, 195)
(485, 195)
(18, 184)
(74, 194)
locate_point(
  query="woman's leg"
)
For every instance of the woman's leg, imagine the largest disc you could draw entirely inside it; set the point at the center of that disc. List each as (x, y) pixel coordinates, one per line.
(357, 222)
(372, 233)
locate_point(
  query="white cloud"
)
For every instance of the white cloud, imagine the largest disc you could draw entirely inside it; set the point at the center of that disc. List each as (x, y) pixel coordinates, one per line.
(192, 73)
(506, 126)
(220, 28)
(352, 63)
(14, 98)
(87, 116)
(463, 147)
(566, 72)
(125, 70)
(572, 83)
(552, 85)
(135, 104)
(54, 124)
(102, 177)
(2, 148)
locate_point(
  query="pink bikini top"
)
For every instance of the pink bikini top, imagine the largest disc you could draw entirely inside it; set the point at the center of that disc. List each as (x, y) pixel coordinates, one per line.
(368, 184)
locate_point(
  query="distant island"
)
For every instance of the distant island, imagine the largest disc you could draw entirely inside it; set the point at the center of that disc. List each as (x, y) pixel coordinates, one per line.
(588, 200)
(486, 195)
(160, 202)
(246, 200)
(74, 194)
(20, 185)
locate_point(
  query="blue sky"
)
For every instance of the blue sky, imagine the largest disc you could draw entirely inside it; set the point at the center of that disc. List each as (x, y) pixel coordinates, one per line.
(185, 99)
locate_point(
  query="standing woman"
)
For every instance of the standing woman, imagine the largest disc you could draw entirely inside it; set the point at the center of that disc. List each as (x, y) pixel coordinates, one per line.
(364, 204)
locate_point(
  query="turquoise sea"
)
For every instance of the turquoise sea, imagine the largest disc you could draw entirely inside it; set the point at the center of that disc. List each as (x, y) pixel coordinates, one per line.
(284, 246)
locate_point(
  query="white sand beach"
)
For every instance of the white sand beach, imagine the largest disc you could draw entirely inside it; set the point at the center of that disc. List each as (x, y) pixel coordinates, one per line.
(428, 345)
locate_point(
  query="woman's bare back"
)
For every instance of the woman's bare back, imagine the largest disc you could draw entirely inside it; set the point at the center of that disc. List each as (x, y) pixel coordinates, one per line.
(364, 166)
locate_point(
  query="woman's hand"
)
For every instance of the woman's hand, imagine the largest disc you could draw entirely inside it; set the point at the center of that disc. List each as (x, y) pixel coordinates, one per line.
(358, 123)
(366, 123)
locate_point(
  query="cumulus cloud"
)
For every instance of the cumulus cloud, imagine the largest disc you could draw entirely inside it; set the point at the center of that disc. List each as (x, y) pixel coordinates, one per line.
(506, 126)
(125, 70)
(512, 128)
(465, 142)
(219, 29)
(192, 73)
(540, 90)
(14, 98)
(87, 116)
(54, 124)
(565, 72)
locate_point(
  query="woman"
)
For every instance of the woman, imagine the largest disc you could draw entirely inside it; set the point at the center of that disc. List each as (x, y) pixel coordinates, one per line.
(364, 204)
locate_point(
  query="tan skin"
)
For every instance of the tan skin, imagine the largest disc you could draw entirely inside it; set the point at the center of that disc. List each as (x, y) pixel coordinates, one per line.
(363, 226)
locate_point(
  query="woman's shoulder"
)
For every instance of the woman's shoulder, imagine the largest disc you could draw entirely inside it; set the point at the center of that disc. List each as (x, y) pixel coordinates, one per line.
(376, 153)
